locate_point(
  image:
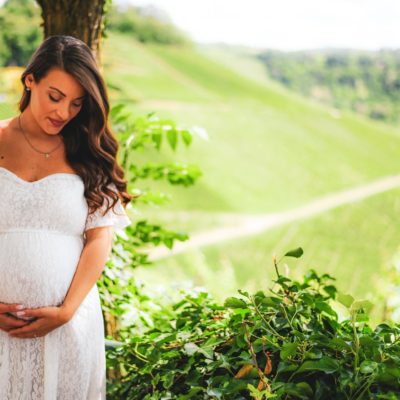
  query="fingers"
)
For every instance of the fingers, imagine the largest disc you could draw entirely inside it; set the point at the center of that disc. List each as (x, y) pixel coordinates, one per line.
(12, 321)
(33, 313)
(7, 322)
(4, 307)
(27, 331)
(46, 319)
(22, 315)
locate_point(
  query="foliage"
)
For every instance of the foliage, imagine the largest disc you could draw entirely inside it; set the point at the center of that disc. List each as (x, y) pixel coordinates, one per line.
(20, 32)
(366, 82)
(117, 286)
(285, 344)
(145, 28)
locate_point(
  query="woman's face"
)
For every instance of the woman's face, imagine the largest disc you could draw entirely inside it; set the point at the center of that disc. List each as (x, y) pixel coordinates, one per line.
(55, 100)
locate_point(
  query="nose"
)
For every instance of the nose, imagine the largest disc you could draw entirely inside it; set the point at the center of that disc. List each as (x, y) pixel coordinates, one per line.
(63, 113)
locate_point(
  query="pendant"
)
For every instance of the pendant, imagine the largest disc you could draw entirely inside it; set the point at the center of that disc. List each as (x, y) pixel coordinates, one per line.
(46, 155)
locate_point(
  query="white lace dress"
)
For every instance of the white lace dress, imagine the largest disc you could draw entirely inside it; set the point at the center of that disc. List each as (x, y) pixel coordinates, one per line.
(41, 240)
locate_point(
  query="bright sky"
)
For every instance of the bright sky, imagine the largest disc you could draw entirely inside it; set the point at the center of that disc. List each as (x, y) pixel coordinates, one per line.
(287, 24)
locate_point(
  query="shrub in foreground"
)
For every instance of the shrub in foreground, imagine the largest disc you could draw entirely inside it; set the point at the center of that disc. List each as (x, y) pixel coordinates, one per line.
(284, 344)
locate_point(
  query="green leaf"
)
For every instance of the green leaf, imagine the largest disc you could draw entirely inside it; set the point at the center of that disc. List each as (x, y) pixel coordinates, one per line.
(257, 394)
(186, 137)
(282, 280)
(295, 253)
(215, 393)
(368, 367)
(157, 140)
(325, 364)
(339, 344)
(286, 367)
(288, 350)
(362, 305)
(362, 317)
(301, 390)
(172, 137)
(389, 376)
(314, 354)
(234, 302)
(331, 290)
(116, 109)
(168, 378)
(346, 299)
(323, 306)
(271, 302)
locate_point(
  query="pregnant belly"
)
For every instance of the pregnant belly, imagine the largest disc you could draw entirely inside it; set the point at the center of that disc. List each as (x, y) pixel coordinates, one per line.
(37, 267)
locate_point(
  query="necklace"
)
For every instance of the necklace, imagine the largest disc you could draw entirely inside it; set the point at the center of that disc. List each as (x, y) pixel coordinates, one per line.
(46, 153)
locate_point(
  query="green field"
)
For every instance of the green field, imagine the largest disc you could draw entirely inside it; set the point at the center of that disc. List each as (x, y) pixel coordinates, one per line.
(268, 150)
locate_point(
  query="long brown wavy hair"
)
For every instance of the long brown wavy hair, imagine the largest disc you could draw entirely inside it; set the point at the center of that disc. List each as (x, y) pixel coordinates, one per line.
(91, 147)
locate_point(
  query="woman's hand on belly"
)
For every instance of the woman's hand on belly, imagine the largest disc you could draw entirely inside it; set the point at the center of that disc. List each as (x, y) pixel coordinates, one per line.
(8, 322)
(47, 319)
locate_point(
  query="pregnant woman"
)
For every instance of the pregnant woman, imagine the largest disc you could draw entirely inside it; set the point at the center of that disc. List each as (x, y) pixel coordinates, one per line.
(61, 194)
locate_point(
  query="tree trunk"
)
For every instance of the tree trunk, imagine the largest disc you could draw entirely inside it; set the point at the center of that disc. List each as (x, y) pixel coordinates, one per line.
(81, 19)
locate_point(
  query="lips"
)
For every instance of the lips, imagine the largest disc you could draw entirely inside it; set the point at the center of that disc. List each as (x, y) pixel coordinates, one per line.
(56, 123)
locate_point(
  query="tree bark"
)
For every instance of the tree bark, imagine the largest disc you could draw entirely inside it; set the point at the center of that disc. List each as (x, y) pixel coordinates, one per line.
(81, 19)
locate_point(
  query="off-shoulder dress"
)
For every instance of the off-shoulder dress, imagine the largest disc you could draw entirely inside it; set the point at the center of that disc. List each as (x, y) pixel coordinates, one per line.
(42, 225)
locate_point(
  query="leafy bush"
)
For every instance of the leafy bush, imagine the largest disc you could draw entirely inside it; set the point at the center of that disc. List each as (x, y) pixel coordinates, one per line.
(285, 344)
(117, 286)
(20, 31)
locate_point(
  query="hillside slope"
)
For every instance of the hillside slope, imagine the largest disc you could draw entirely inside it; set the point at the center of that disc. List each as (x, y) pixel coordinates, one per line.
(271, 149)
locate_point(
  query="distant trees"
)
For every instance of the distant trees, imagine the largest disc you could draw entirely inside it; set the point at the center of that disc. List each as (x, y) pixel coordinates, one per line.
(20, 31)
(365, 82)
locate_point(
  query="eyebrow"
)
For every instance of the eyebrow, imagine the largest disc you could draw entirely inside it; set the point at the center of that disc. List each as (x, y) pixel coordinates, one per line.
(58, 90)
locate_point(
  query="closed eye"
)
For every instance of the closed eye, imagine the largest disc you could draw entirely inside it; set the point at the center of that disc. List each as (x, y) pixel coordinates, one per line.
(56, 101)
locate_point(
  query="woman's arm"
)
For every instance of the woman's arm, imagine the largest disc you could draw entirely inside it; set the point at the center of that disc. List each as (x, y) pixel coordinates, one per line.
(94, 255)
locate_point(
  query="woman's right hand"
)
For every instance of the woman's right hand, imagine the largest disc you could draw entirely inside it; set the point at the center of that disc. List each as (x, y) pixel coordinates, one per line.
(8, 322)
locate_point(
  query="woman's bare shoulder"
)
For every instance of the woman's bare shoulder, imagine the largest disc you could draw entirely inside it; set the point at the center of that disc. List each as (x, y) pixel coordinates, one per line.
(4, 123)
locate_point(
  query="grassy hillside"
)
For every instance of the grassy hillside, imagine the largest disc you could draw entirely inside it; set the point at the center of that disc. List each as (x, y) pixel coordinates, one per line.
(366, 82)
(273, 150)
(269, 150)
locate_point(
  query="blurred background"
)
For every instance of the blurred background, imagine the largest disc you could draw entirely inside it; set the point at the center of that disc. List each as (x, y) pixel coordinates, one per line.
(297, 109)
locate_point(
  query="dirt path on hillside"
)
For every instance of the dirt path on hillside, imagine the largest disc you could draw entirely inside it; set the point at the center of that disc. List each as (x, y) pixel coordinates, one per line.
(257, 224)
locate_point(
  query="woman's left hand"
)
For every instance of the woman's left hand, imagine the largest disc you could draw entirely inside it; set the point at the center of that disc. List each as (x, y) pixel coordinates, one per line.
(47, 319)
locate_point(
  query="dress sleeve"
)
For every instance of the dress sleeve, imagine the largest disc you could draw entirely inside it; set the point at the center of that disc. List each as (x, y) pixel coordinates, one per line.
(118, 218)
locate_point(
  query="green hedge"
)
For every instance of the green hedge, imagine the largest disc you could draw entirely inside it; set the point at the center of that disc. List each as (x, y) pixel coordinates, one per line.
(288, 343)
